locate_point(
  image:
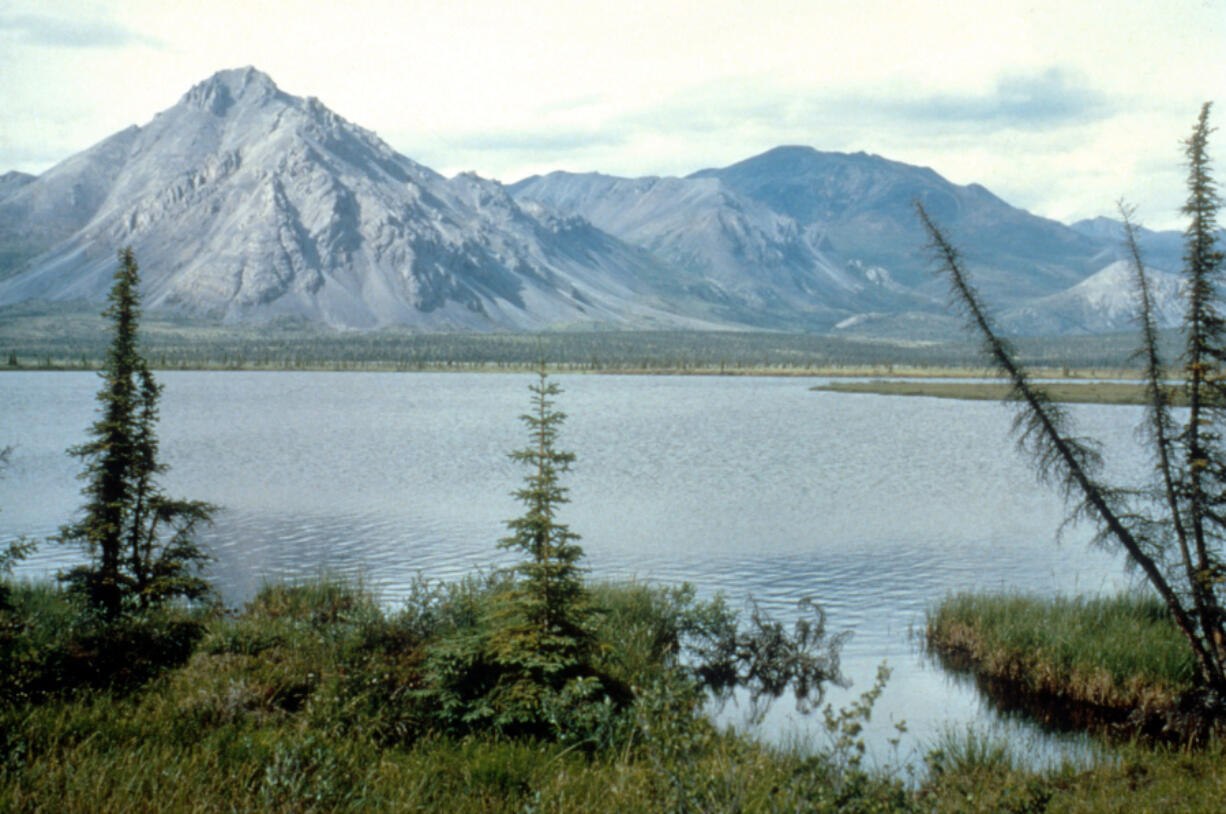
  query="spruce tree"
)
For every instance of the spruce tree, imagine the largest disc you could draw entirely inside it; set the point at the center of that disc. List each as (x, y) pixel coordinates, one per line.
(140, 543)
(551, 596)
(542, 635)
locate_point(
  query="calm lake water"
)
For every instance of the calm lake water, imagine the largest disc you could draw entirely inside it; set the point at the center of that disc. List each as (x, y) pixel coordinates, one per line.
(875, 507)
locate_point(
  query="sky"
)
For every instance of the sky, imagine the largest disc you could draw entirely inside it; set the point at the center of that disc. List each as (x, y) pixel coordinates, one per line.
(1062, 108)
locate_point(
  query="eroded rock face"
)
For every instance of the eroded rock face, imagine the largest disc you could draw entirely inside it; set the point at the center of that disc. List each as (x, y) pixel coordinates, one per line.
(244, 202)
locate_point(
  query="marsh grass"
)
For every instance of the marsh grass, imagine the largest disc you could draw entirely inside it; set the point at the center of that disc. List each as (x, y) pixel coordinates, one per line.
(1122, 652)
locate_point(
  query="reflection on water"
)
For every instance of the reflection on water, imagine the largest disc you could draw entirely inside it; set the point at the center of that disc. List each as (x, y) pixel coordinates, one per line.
(753, 487)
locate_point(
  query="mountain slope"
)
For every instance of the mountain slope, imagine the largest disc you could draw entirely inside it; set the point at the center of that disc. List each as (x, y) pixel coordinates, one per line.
(1102, 303)
(861, 207)
(243, 202)
(10, 182)
(754, 259)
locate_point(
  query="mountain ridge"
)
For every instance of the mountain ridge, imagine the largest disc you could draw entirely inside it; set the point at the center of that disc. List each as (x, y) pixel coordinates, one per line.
(245, 203)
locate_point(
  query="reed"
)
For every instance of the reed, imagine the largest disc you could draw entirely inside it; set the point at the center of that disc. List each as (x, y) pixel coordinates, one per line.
(1122, 652)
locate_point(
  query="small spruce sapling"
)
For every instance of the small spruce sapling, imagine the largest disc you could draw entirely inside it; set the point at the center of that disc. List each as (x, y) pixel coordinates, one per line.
(542, 640)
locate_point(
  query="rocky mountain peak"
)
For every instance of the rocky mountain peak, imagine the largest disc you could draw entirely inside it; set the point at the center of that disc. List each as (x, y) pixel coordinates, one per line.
(244, 202)
(222, 90)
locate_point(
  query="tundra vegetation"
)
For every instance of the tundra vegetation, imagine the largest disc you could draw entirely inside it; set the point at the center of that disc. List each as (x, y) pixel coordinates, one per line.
(43, 336)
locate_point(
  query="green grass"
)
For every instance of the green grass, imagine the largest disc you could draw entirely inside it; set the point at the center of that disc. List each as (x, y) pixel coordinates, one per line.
(305, 701)
(1120, 652)
(974, 772)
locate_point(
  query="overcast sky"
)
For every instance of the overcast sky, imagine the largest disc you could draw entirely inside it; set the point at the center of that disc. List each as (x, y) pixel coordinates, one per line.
(1058, 107)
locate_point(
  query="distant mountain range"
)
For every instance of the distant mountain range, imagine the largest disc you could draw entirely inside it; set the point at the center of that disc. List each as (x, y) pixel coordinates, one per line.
(244, 203)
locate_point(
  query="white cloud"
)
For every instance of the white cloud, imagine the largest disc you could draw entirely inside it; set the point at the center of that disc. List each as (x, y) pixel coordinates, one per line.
(71, 32)
(1053, 105)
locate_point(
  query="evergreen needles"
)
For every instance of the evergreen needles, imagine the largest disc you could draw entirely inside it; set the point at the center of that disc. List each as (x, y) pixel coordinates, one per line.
(140, 542)
(527, 667)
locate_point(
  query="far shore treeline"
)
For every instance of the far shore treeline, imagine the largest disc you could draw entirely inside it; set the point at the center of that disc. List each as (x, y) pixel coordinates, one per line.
(44, 336)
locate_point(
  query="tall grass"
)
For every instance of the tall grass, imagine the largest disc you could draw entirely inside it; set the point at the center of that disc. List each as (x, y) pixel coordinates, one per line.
(1122, 651)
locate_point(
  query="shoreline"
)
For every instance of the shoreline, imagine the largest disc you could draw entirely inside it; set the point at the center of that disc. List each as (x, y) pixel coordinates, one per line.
(1102, 375)
(1090, 389)
(1109, 666)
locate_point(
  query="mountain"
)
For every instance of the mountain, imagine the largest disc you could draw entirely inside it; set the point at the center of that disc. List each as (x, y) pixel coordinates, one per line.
(794, 226)
(760, 263)
(862, 207)
(12, 181)
(1160, 250)
(244, 202)
(1103, 302)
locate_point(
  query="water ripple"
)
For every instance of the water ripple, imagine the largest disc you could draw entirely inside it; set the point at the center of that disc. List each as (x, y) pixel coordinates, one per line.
(753, 488)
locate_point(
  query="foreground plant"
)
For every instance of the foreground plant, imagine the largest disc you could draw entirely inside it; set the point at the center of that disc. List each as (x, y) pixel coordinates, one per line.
(537, 658)
(528, 667)
(1175, 531)
(140, 542)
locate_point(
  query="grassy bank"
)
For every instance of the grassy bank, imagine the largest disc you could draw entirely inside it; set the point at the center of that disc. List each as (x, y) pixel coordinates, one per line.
(309, 700)
(1119, 661)
(1095, 392)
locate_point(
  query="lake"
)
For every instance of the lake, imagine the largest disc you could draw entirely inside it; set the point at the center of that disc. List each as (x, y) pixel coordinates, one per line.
(755, 487)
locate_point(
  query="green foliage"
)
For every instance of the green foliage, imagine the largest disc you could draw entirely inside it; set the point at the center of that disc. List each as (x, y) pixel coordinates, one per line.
(526, 667)
(15, 550)
(140, 542)
(845, 726)
(541, 661)
(970, 770)
(1123, 652)
(53, 645)
(303, 702)
(543, 626)
(11, 554)
(642, 628)
(968, 751)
